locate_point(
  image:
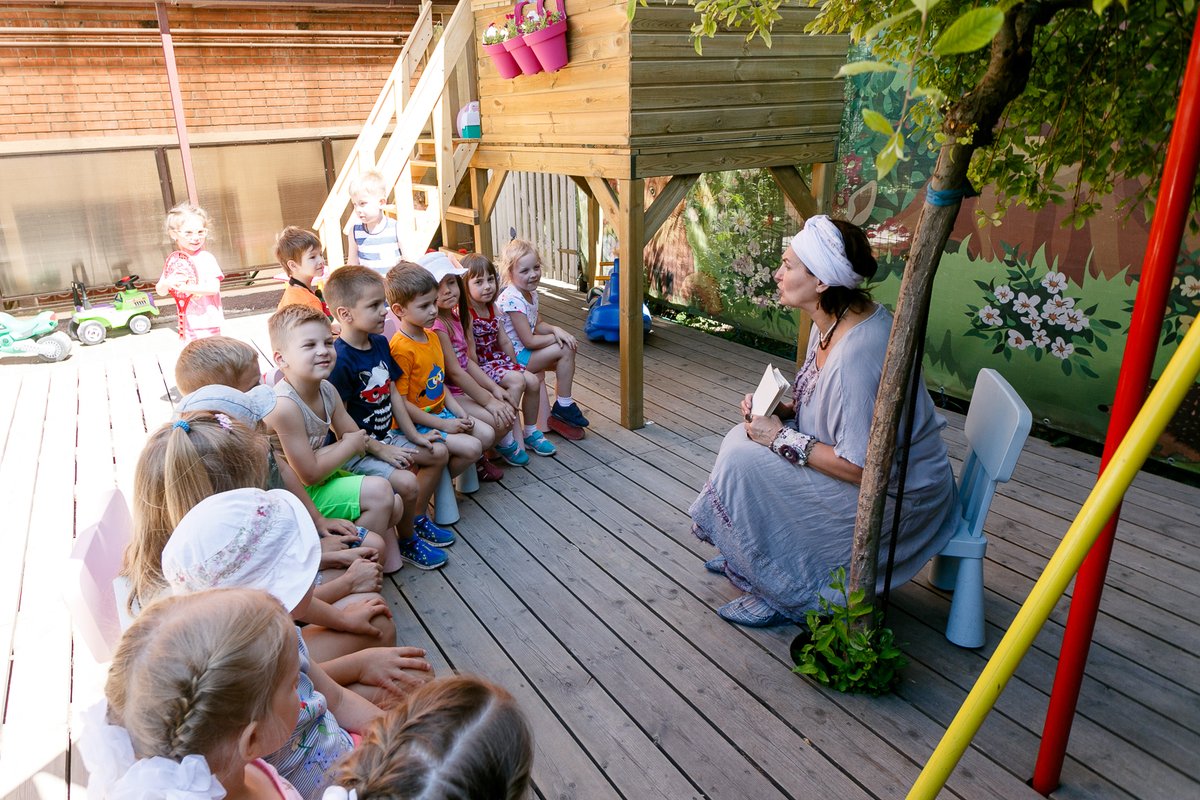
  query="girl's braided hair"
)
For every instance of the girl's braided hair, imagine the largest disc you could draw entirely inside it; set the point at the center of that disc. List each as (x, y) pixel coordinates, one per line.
(181, 465)
(455, 738)
(193, 671)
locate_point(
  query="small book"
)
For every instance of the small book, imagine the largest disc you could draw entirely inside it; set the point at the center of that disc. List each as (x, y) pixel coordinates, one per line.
(769, 392)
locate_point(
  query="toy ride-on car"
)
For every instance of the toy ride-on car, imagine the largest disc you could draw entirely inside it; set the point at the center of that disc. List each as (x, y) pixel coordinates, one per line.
(34, 336)
(604, 311)
(131, 308)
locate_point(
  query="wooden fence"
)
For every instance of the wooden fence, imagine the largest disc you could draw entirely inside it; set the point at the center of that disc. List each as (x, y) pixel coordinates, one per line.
(542, 208)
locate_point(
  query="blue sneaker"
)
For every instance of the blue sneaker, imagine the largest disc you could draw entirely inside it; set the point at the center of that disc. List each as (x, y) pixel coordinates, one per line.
(569, 414)
(435, 535)
(421, 554)
(751, 611)
(538, 443)
(513, 454)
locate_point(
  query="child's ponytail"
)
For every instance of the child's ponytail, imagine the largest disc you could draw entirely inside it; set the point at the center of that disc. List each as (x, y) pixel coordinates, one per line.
(200, 454)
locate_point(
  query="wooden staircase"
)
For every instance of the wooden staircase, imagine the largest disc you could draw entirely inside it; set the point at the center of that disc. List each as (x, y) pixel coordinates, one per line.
(409, 137)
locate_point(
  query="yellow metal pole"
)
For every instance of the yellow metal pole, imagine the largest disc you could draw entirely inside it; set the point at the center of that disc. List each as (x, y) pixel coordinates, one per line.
(1176, 379)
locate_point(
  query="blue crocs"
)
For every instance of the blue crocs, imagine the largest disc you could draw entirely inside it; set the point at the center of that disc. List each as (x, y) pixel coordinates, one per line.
(513, 454)
(538, 443)
(569, 414)
(435, 535)
(421, 554)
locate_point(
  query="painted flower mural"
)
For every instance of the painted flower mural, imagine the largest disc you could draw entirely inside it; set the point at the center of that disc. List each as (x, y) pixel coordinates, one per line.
(1032, 312)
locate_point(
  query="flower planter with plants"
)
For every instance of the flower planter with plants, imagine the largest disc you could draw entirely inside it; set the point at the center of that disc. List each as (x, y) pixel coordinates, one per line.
(493, 44)
(530, 41)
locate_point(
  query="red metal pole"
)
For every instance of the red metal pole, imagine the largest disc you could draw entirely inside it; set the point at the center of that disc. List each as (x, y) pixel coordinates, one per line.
(1145, 327)
(185, 151)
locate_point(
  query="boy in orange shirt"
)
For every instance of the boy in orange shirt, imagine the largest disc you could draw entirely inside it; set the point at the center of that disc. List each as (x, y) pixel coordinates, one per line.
(412, 294)
(299, 253)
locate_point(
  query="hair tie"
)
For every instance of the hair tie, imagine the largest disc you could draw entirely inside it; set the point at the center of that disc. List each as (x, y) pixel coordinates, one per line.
(223, 421)
(182, 423)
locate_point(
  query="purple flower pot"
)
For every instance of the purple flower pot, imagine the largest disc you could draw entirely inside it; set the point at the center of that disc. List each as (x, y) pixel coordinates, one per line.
(525, 58)
(550, 46)
(506, 65)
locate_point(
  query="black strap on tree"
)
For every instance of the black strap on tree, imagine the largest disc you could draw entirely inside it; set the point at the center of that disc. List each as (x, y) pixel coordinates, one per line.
(914, 387)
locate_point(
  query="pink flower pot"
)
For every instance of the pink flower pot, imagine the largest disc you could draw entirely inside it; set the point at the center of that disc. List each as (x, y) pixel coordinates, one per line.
(525, 58)
(506, 65)
(550, 46)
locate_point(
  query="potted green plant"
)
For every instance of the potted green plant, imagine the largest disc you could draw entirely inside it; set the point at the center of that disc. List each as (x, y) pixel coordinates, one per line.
(493, 44)
(837, 651)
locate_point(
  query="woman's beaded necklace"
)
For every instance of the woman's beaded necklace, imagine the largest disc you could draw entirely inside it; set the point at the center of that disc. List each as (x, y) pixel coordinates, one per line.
(824, 338)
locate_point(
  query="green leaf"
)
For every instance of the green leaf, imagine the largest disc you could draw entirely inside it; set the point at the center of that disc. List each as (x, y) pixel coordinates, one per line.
(924, 6)
(887, 23)
(1099, 6)
(863, 67)
(971, 31)
(877, 122)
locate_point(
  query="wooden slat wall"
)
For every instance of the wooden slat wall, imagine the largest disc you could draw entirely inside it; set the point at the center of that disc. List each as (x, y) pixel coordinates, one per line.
(542, 208)
(586, 102)
(735, 90)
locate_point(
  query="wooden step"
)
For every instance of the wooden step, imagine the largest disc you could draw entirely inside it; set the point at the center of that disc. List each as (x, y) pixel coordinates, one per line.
(467, 216)
(420, 162)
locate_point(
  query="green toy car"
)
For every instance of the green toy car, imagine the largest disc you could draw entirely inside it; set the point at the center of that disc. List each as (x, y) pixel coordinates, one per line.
(33, 336)
(131, 308)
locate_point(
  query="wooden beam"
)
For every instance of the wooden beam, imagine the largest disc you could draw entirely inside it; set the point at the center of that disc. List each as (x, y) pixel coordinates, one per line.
(482, 227)
(666, 202)
(632, 235)
(796, 189)
(491, 194)
(823, 180)
(604, 194)
(593, 239)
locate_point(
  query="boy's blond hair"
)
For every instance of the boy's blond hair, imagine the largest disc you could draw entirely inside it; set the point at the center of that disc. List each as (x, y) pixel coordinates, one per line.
(216, 359)
(405, 281)
(181, 465)
(194, 671)
(369, 184)
(292, 243)
(288, 318)
(348, 285)
(513, 252)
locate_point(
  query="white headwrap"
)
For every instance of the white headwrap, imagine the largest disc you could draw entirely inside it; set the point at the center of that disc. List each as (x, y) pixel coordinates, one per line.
(821, 247)
(116, 774)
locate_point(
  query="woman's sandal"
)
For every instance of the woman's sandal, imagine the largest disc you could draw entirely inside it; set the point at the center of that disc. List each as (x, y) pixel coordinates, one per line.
(751, 611)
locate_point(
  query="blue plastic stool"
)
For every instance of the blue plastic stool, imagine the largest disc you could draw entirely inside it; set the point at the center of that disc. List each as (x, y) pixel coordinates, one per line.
(445, 504)
(997, 426)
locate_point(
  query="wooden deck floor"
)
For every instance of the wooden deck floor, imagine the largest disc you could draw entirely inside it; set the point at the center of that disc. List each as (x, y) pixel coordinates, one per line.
(577, 584)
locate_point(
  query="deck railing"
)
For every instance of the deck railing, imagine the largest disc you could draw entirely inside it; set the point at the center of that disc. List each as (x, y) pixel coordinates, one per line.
(402, 121)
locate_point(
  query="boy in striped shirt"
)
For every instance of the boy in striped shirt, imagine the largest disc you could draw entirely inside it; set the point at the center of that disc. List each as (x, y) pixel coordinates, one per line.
(373, 239)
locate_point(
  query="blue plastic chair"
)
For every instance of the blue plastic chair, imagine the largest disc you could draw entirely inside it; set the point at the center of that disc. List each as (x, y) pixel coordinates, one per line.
(997, 426)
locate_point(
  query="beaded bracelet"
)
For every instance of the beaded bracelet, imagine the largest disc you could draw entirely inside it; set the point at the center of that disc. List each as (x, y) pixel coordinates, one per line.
(794, 446)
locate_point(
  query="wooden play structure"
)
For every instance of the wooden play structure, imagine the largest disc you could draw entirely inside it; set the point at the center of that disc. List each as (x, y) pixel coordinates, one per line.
(634, 102)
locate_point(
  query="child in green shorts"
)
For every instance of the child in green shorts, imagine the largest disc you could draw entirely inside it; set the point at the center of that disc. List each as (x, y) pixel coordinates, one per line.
(304, 352)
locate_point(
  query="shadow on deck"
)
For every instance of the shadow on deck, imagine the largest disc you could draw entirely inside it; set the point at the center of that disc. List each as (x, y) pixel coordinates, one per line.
(577, 584)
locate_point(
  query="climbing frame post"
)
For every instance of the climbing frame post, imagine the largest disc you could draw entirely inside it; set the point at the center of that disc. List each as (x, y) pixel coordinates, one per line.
(631, 233)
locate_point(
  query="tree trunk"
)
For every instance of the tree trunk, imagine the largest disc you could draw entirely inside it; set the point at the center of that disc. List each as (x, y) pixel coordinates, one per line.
(969, 124)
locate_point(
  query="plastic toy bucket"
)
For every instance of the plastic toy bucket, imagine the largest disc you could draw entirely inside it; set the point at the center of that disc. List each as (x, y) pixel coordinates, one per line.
(506, 65)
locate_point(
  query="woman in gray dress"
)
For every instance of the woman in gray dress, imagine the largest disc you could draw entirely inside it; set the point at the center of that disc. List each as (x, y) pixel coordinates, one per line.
(781, 500)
